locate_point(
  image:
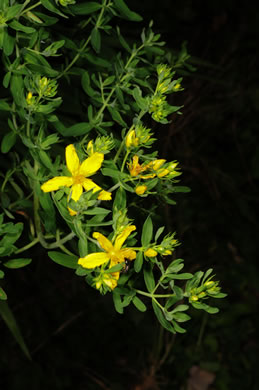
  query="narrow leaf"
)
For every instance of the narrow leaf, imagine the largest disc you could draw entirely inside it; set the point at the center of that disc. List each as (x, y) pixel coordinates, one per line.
(63, 259)
(10, 321)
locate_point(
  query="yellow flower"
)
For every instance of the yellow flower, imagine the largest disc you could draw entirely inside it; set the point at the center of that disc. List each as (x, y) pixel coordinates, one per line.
(156, 164)
(115, 253)
(150, 252)
(141, 189)
(29, 98)
(136, 169)
(131, 139)
(109, 279)
(79, 176)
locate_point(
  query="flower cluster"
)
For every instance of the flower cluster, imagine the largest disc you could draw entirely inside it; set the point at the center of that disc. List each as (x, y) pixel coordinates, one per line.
(209, 289)
(165, 248)
(100, 145)
(157, 168)
(159, 108)
(139, 136)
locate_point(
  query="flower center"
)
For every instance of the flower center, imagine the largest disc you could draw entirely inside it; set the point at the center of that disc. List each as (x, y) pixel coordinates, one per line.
(79, 179)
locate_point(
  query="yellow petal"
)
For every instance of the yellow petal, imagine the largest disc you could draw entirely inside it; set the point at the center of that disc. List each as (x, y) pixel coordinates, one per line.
(57, 182)
(128, 253)
(72, 160)
(103, 241)
(123, 236)
(157, 164)
(88, 185)
(91, 164)
(71, 212)
(163, 173)
(76, 191)
(94, 260)
(111, 279)
(105, 195)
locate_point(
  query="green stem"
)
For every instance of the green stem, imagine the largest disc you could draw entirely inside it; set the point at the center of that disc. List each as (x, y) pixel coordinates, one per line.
(31, 7)
(28, 246)
(98, 24)
(75, 58)
(121, 79)
(124, 160)
(153, 296)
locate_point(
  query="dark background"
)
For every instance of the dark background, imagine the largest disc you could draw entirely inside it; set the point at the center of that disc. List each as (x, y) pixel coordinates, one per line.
(216, 143)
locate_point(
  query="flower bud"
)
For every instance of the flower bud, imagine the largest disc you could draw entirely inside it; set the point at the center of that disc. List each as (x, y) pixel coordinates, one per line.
(150, 252)
(140, 189)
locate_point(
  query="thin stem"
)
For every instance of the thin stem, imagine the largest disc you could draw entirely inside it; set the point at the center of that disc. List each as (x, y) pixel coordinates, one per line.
(28, 246)
(124, 160)
(75, 58)
(153, 296)
(29, 8)
(203, 324)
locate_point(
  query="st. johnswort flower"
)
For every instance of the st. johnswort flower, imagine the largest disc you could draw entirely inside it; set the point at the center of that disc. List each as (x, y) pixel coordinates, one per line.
(113, 253)
(79, 176)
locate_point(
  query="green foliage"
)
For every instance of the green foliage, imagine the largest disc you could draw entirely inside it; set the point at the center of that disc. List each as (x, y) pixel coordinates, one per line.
(79, 100)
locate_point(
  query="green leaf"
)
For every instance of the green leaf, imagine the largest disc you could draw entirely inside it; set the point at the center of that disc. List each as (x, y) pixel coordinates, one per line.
(20, 27)
(180, 308)
(141, 102)
(83, 247)
(8, 142)
(86, 84)
(159, 232)
(122, 41)
(96, 39)
(117, 302)
(175, 266)
(10, 321)
(17, 89)
(6, 81)
(85, 8)
(181, 317)
(1, 274)
(63, 259)
(4, 106)
(114, 173)
(74, 130)
(120, 200)
(203, 306)
(171, 301)
(17, 263)
(160, 316)
(97, 60)
(181, 189)
(33, 17)
(116, 116)
(3, 295)
(138, 262)
(97, 211)
(149, 277)
(49, 5)
(178, 328)
(147, 232)
(183, 276)
(13, 11)
(8, 43)
(139, 304)
(43, 70)
(126, 12)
